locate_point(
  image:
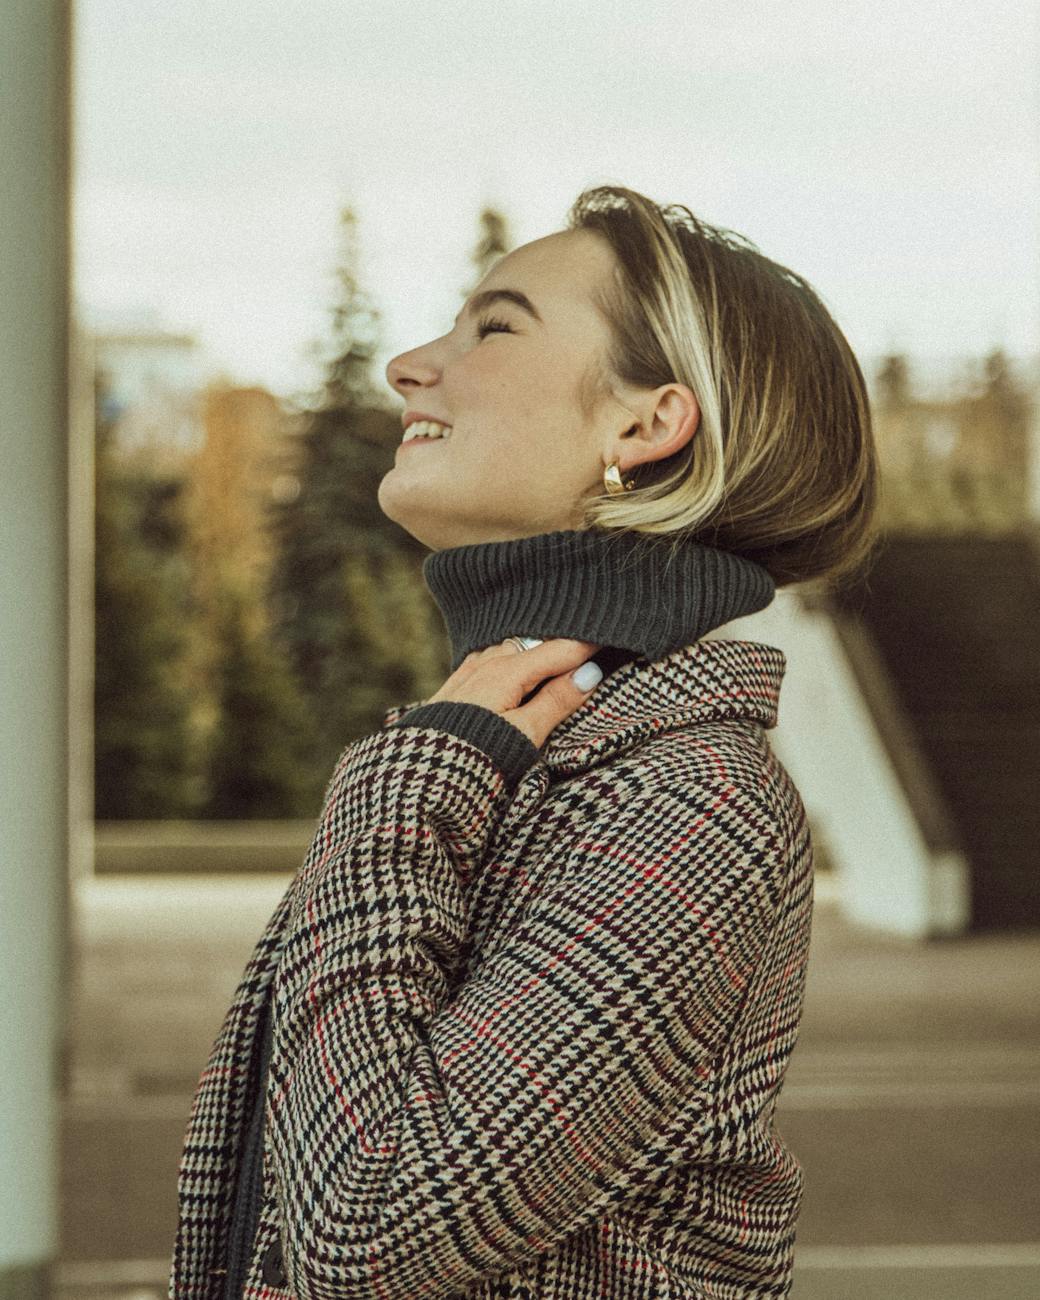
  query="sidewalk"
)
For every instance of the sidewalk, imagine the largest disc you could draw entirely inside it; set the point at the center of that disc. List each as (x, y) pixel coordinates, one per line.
(912, 1099)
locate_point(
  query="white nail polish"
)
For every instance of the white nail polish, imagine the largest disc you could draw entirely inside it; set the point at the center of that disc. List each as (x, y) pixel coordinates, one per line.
(587, 675)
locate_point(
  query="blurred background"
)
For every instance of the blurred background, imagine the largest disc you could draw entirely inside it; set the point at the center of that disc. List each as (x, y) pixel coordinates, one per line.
(217, 225)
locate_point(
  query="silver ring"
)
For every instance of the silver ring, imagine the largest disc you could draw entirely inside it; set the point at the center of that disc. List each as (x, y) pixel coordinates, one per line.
(525, 642)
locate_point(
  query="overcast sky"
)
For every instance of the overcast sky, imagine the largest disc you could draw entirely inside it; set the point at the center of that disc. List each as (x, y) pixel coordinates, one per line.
(889, 152)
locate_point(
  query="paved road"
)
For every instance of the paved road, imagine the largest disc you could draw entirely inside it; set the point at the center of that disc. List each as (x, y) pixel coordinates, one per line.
(912, 1098)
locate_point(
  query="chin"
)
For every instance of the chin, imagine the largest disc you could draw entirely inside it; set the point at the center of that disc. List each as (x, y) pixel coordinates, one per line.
(397, 513)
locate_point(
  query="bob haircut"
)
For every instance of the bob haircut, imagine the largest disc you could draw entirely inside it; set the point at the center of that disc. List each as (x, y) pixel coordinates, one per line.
(783, 466)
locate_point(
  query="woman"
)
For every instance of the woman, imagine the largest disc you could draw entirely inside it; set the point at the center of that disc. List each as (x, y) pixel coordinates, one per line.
(519, 1024)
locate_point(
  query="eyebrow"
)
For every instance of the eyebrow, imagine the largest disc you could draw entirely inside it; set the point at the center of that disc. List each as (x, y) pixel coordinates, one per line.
(487, 296)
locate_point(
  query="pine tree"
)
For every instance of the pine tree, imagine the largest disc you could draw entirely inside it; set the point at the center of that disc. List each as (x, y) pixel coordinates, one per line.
(347, 598)
(261, 756)
(346, 446)
(143, 761)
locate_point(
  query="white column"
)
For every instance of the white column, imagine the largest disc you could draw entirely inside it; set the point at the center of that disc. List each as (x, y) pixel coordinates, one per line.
(34, 278)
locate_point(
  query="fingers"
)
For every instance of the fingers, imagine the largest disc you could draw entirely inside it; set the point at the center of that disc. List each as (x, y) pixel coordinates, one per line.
(557, 699)
(566, 669)
(546, 660)
(542, 672)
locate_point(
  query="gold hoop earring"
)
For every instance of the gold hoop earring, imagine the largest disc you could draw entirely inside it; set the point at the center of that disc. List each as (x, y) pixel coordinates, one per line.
(612, 480)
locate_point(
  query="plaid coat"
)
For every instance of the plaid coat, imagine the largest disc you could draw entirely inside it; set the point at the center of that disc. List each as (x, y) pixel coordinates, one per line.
(527, 1043)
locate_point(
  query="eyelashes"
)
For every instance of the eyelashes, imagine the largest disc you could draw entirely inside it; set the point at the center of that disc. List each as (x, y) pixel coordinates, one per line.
(492, 325)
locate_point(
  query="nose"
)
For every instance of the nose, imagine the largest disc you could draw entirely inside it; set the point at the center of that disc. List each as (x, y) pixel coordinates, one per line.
(409, 370)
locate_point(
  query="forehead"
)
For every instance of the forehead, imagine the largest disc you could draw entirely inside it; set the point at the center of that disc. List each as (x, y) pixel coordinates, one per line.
(557, 269)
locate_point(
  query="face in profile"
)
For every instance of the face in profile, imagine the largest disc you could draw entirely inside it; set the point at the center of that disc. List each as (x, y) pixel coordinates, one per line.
(507, 379)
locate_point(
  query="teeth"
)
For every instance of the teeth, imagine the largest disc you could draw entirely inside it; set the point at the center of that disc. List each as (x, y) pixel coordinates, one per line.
(426, 429)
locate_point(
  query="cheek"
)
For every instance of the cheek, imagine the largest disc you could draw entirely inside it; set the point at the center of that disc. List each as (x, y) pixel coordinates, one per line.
(514, 387)
(471, 378)
(501, 386)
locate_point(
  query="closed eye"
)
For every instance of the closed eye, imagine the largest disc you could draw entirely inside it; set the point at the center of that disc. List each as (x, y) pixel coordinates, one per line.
(492, 325)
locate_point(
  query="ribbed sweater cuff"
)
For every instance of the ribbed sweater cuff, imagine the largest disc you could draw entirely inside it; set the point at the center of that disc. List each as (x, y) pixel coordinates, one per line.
(507, 746)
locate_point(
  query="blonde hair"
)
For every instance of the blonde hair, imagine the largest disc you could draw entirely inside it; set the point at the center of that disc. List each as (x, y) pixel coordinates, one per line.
(782, 467)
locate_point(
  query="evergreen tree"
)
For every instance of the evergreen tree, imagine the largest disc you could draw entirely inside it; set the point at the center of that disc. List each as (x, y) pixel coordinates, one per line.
(261, 758)
(401, 629)
(143, 765)
(346, 446)
(347, 599)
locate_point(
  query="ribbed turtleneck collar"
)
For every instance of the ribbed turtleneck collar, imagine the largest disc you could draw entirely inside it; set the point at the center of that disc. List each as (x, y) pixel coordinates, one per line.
(625, 591)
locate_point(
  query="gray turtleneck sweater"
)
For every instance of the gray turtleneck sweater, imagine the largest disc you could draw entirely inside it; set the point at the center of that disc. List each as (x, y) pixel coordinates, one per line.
(633, 594)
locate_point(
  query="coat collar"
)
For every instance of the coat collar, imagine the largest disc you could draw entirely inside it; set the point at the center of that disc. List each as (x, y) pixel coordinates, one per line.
(706, 681)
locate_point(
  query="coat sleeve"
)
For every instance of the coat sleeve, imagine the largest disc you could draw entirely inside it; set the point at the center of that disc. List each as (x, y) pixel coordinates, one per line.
(427, 1134)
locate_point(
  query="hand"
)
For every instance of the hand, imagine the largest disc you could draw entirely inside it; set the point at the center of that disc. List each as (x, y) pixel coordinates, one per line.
(500, 675)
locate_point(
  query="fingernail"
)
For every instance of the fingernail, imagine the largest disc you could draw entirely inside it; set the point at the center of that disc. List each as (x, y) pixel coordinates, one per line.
(587, 675)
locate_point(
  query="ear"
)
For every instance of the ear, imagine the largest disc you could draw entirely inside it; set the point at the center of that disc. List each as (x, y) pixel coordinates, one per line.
(671, 415)
(675, 419)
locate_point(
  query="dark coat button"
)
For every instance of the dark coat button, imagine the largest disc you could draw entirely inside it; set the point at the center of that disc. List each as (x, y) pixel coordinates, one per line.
(273, 1266)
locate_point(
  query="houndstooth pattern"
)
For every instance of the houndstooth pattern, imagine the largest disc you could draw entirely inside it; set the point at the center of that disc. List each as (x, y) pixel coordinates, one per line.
(531, 1046)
